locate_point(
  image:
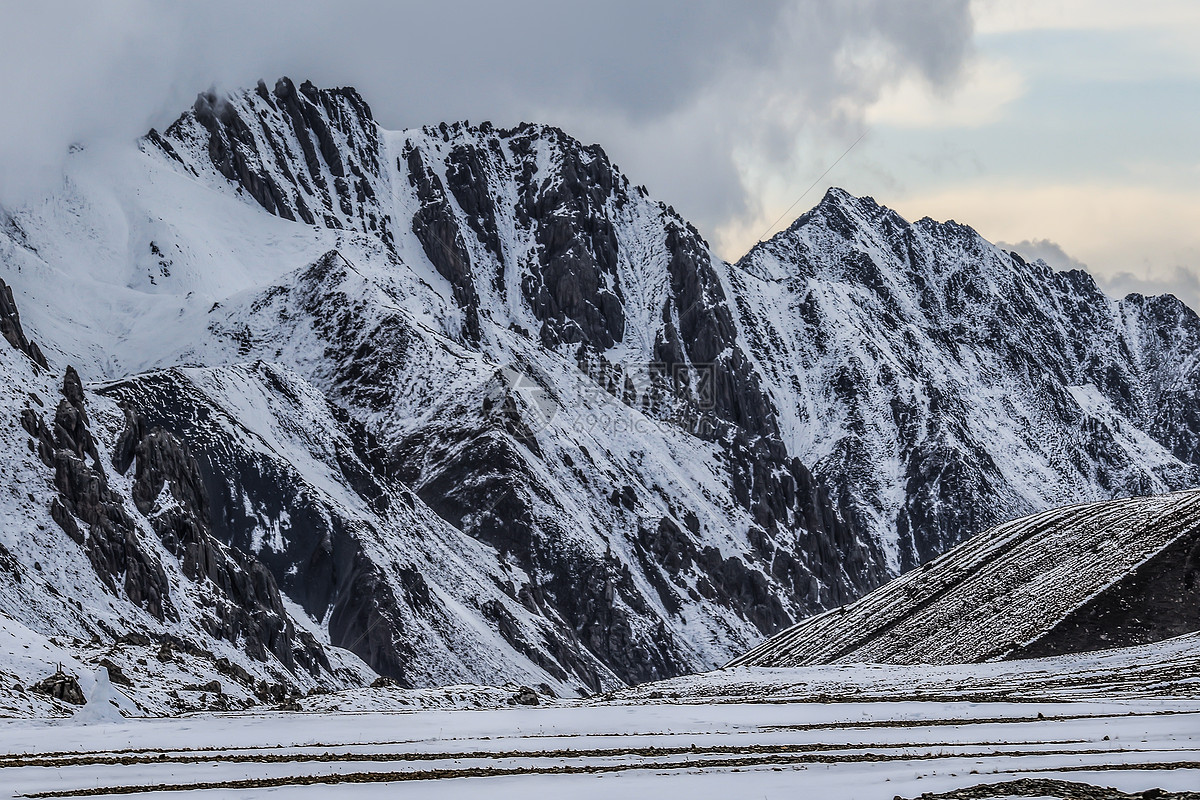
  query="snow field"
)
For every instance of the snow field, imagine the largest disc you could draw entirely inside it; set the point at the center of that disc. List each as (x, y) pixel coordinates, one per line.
(842, 750)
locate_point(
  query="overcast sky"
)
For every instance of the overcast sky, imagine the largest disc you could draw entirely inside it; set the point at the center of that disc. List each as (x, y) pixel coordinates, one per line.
(1068, 127)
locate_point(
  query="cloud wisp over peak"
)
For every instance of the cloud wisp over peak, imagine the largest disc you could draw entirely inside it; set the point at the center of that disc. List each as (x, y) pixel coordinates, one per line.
(683, 94)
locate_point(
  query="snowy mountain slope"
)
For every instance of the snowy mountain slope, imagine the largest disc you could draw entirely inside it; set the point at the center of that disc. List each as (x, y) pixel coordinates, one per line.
(393, 583)
(106, 560)
(1080, 578)
(550, 240)
(488, 412)
(942, 385)
(495, 458)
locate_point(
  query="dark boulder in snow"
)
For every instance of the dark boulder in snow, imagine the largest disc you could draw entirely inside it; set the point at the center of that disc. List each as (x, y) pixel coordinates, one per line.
(524, 696)
(61, 686)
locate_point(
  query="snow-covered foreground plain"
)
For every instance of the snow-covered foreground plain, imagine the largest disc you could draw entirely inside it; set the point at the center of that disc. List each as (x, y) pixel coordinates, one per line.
(798, 750)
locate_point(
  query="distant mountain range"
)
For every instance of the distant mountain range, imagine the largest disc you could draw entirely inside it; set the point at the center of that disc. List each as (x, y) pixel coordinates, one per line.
(463, 404)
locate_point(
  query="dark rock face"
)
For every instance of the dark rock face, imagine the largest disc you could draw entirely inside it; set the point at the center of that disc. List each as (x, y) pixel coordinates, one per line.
(321, 564)
(462, 469)
(246, 607)
(576, 290)
(115, 673)
(10, 328)
(699, 348)
(111, 543)
(324, 171)
(61, 686)
(466, 176)
(437, 230)
(365, 617)
(480, 473)
(233, 150)
(252, 611)
(1167, 337)
(698, 342)
(702, 378)
(1158, 600)
(127, 443)
(937, 471)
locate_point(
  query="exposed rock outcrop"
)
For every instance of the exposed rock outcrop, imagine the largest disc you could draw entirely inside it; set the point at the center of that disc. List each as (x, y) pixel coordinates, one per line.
(61, 686)
(246, 608)
(437, 229)
(10, 328)
(323, 170)
(110, 539)
(246, 605)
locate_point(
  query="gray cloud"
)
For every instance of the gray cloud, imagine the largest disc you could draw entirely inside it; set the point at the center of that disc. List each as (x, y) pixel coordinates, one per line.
(678, 91)
(1049, 251)
(1180, 281)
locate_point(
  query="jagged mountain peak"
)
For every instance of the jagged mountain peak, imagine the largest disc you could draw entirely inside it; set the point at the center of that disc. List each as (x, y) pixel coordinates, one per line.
(901, 339)
(319, 170)
(839, 199)
(842, 212)
(867, 244)
(1165, 306)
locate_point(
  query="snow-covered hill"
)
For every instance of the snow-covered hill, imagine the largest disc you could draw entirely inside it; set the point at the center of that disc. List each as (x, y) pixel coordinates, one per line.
(1071, 580)
(1166, 669)
(488, 412)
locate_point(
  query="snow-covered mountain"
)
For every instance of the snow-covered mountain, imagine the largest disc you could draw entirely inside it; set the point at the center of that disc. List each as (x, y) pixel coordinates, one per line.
(1087, 577)
(487, 412)
(943, 385)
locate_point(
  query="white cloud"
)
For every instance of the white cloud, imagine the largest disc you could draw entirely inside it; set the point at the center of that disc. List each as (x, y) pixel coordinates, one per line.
(1047, 250)
(1008, 16)
(982, 96)
(1181, 282)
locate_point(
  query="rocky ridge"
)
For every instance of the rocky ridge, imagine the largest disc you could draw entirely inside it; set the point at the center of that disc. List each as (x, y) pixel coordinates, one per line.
(1076, 579)
(940, 385)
